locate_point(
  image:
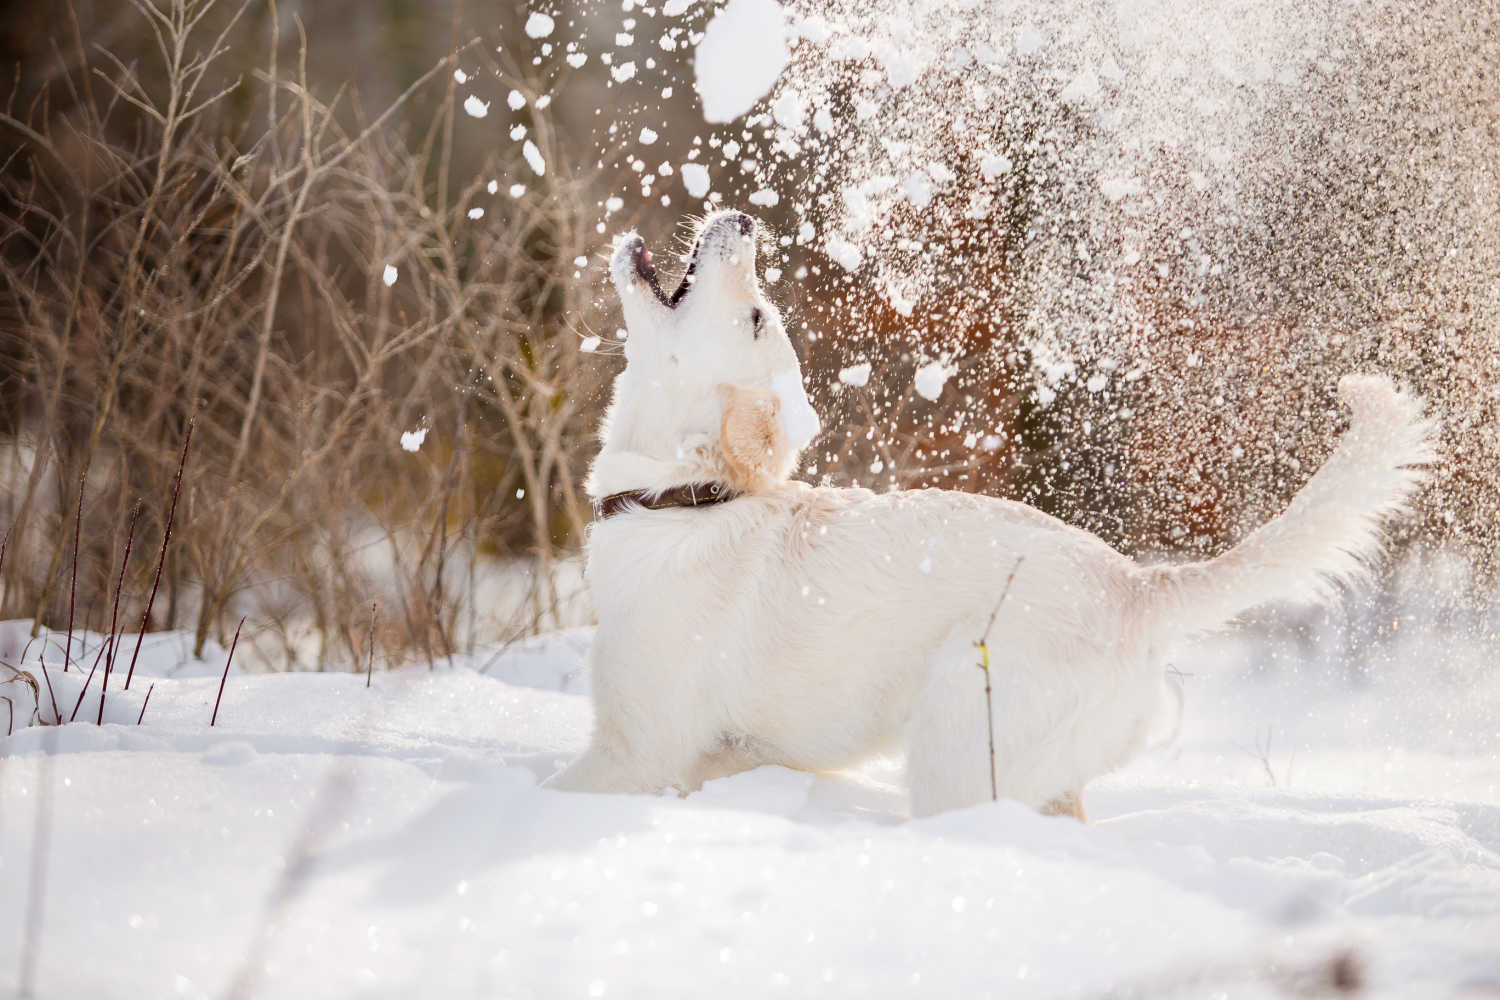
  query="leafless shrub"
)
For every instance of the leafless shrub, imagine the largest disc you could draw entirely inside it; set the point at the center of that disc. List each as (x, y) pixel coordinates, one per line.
(157, 266)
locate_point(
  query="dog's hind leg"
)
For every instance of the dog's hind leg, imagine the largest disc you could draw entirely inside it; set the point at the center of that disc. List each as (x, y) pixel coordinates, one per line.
(730, 756)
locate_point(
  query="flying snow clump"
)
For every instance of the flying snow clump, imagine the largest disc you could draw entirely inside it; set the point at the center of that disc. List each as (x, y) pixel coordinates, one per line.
(930, 379)
(539, 25)
(742, 54)
(855, 375)
(845, 254)
(534, 158)
(389, 275)
(475, 107)
(412, 440)
(695, 179)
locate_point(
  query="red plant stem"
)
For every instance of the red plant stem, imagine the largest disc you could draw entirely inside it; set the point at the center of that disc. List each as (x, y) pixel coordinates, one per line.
(86, 682)
(138, 718)
(56, 715)
(11, 728)
(227, 662)
(89, 679)
(73, 587)
(114, 618)
(162, 559)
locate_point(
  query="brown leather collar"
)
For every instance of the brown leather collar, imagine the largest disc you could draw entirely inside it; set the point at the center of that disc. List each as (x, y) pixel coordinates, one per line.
(691, 495)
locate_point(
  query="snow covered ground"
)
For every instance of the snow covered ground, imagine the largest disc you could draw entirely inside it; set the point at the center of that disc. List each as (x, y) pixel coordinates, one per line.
(328, 840)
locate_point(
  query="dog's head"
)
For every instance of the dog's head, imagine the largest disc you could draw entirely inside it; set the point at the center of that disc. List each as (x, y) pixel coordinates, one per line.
(712, 387)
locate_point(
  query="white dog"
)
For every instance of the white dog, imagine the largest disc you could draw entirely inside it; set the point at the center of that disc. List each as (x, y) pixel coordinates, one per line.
(745, 619)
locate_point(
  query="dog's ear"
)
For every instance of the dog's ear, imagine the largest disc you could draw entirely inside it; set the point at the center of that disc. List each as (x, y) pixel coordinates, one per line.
(754, 447)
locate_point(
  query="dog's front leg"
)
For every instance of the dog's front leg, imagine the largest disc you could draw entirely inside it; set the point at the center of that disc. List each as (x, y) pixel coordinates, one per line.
(616, 767)
(1070, 804)
(598, 769)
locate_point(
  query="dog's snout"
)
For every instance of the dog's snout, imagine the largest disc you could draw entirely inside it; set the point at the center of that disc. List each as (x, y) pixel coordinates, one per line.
(746, 224)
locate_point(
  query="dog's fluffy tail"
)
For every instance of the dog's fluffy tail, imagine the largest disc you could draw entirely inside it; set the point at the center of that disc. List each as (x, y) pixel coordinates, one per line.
(1328, 534)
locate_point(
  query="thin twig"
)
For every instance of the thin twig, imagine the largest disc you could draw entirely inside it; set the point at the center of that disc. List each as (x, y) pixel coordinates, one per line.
(86, 682)
(73, 587)
(138, 718)
(370, 663)
(162, 559)
(56, 715)
(984, 664)
(89, 679)
(224, 678)
(314, 172)
(114, 618)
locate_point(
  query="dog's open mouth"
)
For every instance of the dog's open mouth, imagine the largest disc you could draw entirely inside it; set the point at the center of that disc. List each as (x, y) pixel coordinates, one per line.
(645, 266)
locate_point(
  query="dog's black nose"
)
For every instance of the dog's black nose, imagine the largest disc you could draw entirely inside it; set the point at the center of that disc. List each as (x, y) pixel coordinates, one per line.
(746, 224)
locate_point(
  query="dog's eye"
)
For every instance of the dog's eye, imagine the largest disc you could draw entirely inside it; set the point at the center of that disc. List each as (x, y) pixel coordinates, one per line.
(756, 318)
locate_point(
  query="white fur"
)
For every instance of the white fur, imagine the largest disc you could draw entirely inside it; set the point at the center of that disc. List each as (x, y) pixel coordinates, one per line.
(815, 627)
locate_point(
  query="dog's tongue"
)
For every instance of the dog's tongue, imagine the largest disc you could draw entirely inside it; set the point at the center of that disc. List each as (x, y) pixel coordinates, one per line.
(799, 421)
